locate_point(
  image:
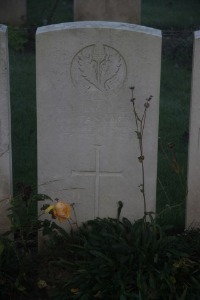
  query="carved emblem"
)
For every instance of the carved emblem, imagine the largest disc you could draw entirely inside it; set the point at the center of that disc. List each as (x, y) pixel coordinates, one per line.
(98, 67)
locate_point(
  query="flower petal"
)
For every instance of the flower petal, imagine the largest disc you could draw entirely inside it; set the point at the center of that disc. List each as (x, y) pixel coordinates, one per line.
(49, 208)
(62, 211)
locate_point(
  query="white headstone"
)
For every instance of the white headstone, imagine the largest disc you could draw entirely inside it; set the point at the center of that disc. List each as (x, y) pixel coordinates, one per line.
(87, 146)
(5, 148)
(193, 199)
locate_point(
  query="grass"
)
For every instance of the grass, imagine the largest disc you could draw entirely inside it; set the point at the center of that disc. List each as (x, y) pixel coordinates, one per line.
(23, 116)
(171, 14)
(173, 129)
(174, 105)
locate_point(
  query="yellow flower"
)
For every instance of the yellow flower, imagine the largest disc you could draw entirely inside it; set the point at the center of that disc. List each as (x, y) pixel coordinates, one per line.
(61, 210)
(42, 284)
(74, 291)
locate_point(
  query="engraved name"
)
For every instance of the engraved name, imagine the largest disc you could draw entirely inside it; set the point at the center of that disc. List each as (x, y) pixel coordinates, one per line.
(85, 123)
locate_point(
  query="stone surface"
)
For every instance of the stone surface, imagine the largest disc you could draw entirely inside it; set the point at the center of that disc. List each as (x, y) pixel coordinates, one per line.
(193, 199)
(12, 12)
(128, 11)
(87, 146)
(5, 149)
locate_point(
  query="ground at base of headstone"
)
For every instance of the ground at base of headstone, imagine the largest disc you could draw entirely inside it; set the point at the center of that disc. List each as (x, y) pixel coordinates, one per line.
(104, 258)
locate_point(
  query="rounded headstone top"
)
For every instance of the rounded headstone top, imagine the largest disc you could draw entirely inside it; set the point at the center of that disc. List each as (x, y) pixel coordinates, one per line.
(197, 34)
(3, 28)
(100, 24)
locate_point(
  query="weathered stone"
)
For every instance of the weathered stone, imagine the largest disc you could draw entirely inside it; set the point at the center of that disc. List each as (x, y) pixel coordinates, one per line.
(193, 199)
(127, 11)
(87, 145)
(12, 12)
(5, 149)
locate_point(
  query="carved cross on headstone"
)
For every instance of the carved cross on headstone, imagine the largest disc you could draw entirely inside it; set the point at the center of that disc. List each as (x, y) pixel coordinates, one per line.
(97, 173)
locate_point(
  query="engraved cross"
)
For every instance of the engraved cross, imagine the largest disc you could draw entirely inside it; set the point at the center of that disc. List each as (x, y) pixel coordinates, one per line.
(97, 174)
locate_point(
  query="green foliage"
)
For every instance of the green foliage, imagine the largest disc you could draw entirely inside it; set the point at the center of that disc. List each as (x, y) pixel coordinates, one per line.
(18, 248)
(23, 209)
(23, 216)
(112, 259)
(17, 271)
(105, 259)
(9, 267)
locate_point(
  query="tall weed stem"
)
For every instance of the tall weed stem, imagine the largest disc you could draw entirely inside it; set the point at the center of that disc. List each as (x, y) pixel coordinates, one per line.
(140, 126)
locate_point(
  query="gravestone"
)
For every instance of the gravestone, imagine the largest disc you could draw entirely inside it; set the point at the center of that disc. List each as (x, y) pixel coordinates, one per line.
(13, 12)
(5, 156)
(127, 11)
(87, 146)
(193, 203)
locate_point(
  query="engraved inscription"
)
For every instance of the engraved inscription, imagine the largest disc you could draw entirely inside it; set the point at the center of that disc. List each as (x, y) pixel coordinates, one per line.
(98, 67)
(97, 174)
(121, 123)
